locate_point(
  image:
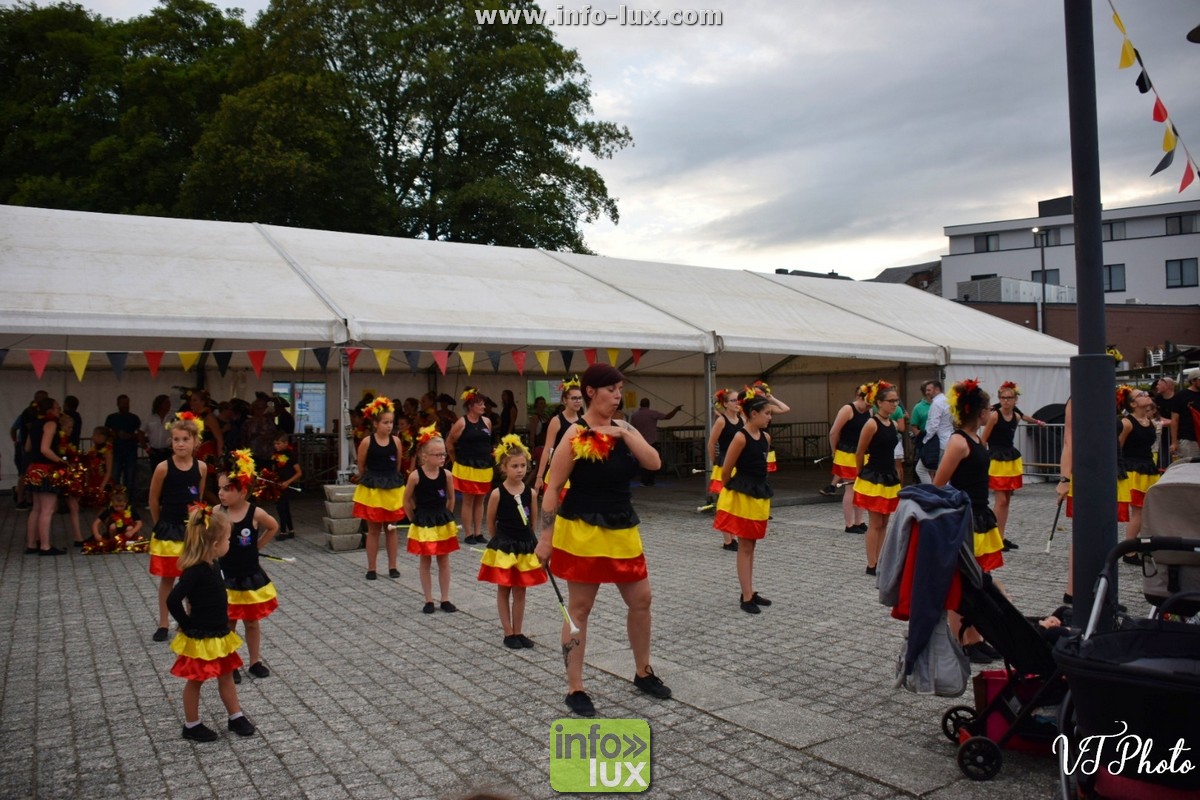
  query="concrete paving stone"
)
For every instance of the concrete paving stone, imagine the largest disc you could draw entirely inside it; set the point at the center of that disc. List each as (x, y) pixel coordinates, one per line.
(909, 768)
(786, 722)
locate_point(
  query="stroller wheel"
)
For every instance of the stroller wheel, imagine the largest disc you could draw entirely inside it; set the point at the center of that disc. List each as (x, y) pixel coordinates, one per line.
(955, 719)
(979, 758)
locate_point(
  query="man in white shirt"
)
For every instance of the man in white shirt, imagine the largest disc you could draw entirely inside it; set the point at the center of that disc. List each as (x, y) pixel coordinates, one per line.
(938, 426)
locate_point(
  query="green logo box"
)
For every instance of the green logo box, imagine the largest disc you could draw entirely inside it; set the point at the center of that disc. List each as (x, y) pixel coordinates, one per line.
(600, 755)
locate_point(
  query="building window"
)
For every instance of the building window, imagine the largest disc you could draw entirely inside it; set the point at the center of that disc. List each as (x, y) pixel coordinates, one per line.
(1114, 277)
(1051, 276)
(1181, 272)
(1180, 224)
(1112, 230)
(988, 243)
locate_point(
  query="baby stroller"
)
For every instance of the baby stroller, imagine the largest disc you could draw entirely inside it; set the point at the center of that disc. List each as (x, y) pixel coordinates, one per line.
(1139, 683)
(928, 549)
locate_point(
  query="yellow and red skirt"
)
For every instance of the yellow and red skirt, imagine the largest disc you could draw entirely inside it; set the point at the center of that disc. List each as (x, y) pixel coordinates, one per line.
(714, 479)
(437, 537)
(472, 480)
(202, 658)
(742, 515)
(772, 466)
(1124, 497)
(588, 553)
(877, 491)
(988, 543)
(1139, 477)
(1006, 470)
(379, 497)
(505, 563)
(166, 546)
(251, 604)
(845, 464)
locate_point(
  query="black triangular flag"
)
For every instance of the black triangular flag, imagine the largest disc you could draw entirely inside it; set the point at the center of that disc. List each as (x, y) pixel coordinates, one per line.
(494, 357)
(1166, 162)
(222, 359)
(117, 360)
(1143, 82)
(567, 355)
(322, 354)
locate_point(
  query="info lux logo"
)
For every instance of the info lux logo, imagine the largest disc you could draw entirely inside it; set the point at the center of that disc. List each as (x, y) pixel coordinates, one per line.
(605, 755)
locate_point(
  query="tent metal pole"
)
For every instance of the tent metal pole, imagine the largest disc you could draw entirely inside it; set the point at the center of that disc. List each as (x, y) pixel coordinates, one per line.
(345, 433)
(710, 373)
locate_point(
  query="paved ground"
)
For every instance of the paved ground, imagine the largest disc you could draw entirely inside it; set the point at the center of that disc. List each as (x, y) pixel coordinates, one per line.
(369, 698)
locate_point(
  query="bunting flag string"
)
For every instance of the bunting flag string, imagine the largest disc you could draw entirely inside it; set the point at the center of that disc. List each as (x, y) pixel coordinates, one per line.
(1171, 139)
(189, 359)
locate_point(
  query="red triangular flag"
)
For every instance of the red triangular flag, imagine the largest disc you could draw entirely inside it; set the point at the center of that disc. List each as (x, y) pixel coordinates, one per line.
(1188, 177)
(153, 359)
(590, 355)
(256, 360)
(351, 357)
(637, 356)
(519, 360)
(439, 358)
(1160, 111)
(39, 358)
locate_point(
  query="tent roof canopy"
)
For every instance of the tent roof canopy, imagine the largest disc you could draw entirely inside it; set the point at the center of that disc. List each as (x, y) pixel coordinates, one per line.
(117, 282)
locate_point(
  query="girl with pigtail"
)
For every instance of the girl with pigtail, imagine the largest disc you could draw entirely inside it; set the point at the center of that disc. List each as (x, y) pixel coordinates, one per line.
(964, 466)
(877, 487)
(205, 645)
(379, 496)
(1136, 469)
(176, 484)
(509, 561)
(728, 422)
(469, 448)
(1006, 470)
(429, 506)
(744, 505)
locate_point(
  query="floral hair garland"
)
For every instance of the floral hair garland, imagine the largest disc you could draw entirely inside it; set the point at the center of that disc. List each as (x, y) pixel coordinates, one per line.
(568, 384)
(470, 395)
(203, 509)
(964, 400)
(723, 396)
(589, 445)
(875, 389)
(1125, 393)
(753, 396)
(1016, 390)
(188, 416)
(239, 469)
(510, 445)
(427, 434)
(377, 408)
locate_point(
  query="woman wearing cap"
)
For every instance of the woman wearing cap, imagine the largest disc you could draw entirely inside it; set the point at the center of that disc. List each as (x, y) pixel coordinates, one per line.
(593, 537)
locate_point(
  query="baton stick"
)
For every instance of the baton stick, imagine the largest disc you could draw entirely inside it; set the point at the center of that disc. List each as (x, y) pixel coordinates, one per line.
(1054, 525)
(284, 559)
(561, 603)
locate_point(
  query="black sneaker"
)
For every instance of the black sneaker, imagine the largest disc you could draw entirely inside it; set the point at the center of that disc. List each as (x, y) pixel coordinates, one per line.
(828, 491)
(749, 606)
(731, 547)
(31, 551)
(242, 726)
(853, 529)
(871, 570)
(199, 733)
(449, 607)
(1009, 545)
(526, 642)
(976, 655)
(512, 642)
(652, 685)
(428, 608)
(393, 573)
(160, 635)
(259, 670)
(237, 676)
(53, 551)
(860, 527)
(371, 575)
(759, 600)
(581, 704)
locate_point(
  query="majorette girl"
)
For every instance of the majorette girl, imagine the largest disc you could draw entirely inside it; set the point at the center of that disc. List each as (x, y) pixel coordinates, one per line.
(877, 487)
(469, 448)
(1006, 470)
(379, 496)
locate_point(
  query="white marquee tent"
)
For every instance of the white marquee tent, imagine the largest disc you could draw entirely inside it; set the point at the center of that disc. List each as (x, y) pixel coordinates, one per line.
(99, 283)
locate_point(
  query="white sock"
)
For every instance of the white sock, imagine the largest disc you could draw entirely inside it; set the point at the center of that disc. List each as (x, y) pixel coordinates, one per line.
(191, 724)
(232, 717)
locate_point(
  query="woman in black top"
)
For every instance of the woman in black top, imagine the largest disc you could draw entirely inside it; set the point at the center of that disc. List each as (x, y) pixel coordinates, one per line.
(877, 487)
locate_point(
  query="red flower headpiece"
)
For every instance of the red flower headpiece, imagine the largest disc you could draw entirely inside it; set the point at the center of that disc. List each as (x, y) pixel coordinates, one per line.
(427, 434)
(752, 396)
(875, 389)
(1011, 385)
(239, 469)
(1124, 395)
(723, 396)
(204, 509)
(591, 446)
(377, 408)
(762, 386)
(188, 416)
(964, 398)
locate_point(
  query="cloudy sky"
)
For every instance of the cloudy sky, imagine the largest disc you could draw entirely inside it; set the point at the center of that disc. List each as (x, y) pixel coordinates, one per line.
(845, 136)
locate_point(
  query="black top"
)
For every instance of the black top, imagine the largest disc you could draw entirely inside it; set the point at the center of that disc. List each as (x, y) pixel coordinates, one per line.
(382, 458)
(202, 586)
(180, 489)
(599, 493)
(429, 500)
(508, 419)
(509, 522)
(242, 558)
(474, 445)
(751, 476)
(848, 438)
(1004, 431)
(37, 430)
(725, 437)
(563, 426)
(971, 474)
(128, 423)
(882, 447)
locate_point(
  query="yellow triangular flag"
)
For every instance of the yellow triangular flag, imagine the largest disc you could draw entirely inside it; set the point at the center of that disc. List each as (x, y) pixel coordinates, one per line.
(291, 356)
(1120, 25)
(79, 359)
(188, 360)
(1169, 138)
(468, 359)
(1128, 58)
(381, 358)
(613, 355)
(543, 358)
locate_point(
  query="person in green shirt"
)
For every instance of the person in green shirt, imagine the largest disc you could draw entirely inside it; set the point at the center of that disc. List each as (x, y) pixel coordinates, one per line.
(920, 413)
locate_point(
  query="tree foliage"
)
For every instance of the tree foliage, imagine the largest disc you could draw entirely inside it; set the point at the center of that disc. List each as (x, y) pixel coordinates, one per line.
(401, 117)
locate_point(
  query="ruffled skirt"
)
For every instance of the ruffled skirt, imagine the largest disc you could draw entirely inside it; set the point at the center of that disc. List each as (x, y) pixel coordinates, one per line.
(845, 464)
(743, 508)
(251, 596)
(509, 561)
(205, 657)
(988, 543)
(586, 552)
(432, 533)
(472, 480)
(166, 546)
(379, 497)
(877, 490)
(1006, 470)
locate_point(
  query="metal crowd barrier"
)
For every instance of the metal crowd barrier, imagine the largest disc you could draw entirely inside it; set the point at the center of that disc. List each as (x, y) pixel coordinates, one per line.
(682, 446)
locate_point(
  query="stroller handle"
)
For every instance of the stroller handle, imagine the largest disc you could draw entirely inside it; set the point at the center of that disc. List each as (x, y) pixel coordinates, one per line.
(1141, 544)
(1167, 605)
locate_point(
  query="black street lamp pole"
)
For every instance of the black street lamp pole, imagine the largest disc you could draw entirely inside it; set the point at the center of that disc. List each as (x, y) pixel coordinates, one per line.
(1040, 237)
(1092, 371)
